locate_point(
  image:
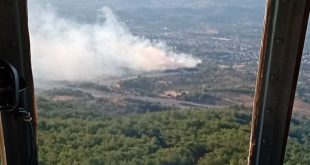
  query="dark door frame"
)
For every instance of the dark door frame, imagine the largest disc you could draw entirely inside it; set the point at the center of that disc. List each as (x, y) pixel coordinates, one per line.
(280, 57)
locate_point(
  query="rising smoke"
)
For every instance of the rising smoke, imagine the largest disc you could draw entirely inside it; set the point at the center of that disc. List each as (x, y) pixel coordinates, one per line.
(64, 49)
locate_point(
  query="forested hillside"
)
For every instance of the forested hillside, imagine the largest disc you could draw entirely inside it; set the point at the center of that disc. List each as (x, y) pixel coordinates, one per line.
(77, 133)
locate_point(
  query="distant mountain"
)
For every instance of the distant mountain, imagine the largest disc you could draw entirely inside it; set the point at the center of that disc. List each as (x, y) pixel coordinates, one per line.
(228, 11)
(125, 4)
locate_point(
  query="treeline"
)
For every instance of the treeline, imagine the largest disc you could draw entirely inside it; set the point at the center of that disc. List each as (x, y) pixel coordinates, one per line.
(70, 135)
(86, 106)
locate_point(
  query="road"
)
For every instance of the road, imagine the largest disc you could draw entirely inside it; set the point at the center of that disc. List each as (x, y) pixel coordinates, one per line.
(164, 101)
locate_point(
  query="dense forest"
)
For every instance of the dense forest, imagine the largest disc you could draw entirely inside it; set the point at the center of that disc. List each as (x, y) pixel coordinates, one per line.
(75, 132)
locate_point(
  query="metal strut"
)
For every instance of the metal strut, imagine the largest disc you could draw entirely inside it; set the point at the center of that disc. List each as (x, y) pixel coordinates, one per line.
(17, 106)
(280, 57)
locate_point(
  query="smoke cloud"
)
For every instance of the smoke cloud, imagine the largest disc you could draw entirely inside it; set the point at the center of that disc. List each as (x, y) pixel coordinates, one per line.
(64, 49)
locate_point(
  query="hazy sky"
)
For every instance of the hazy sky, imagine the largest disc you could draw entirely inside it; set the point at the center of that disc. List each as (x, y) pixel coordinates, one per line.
(158, 3)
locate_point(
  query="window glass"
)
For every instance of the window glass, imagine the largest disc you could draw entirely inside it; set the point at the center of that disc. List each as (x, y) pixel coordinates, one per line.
(145, 81)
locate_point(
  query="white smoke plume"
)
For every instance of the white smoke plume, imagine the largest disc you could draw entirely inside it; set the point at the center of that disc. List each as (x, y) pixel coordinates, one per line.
(63, 49)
